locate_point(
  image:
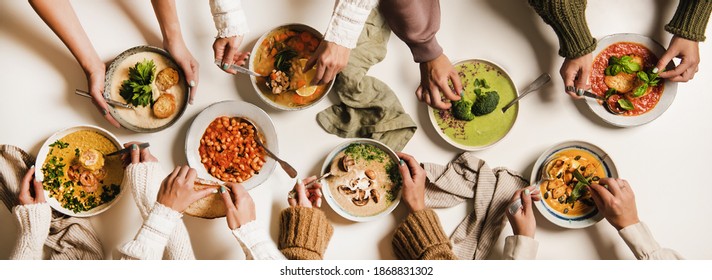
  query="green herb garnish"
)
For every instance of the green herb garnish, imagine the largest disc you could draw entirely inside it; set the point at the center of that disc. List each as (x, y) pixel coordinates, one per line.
(626, 104)
(648, 79)
(624, 64)
(283, 60)
(137, 89)
(59, 144)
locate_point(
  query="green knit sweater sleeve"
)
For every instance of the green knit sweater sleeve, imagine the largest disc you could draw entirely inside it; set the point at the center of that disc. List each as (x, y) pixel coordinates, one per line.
(568, 19)
(690, 19)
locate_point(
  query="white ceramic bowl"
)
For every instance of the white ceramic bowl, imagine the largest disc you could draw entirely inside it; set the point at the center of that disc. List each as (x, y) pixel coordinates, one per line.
(42, 156)
(560, 219)
(666, 98)
(329, 196)
(502, 103)
(232, 109)
(296, 26)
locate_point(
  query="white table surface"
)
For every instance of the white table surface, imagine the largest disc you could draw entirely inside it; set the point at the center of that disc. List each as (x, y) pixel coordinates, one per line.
(666, 161)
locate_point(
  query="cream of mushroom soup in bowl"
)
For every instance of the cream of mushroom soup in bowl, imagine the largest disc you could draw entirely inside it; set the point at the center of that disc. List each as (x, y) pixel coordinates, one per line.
(365, 182)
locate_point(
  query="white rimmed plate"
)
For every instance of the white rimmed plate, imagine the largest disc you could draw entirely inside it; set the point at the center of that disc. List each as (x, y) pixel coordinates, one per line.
(329, 196)
(564, 220)
(475, 124)
(666, 98)
(42, 156)
(232, 109)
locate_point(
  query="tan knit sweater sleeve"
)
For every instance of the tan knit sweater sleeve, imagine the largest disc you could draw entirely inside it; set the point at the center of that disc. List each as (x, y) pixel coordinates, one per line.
(421, 237)
(690, 19)
(568, 19)
(304, 233)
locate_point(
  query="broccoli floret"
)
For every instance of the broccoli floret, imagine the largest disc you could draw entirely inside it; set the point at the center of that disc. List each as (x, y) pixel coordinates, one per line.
(462, 110)
(485, 102)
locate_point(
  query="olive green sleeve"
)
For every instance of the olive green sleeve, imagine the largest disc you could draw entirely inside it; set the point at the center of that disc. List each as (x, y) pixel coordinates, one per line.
(690, 19)
(568, 19)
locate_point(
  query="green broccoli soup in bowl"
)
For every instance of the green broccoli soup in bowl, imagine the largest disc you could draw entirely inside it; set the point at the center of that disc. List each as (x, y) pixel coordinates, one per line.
(477, 122)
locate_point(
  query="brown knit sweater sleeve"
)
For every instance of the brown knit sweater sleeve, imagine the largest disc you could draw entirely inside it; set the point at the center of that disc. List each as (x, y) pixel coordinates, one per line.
(304, 233)
(416, 23)
(421, 237)
(568, 19)
(690, 19)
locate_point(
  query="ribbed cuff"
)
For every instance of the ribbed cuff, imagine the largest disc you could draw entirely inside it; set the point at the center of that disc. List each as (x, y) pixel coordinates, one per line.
(304, 233)
(347, 22)
(34, 222)
(420, 233)
(256, 240)
(426, 51)
(520, 247)
(690, 19)
(568, 19)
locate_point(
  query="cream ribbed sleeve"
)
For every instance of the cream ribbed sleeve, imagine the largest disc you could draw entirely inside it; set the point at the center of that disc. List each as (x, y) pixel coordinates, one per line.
(347, 21)
(144, 180)
(520, 247)
(34, 221)
(229, 17)
(153, 236)
(256, 243)
(641, 241)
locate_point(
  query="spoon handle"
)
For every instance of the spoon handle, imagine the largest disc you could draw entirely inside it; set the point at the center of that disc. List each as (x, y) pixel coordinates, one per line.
(537, 84)
(286, 166)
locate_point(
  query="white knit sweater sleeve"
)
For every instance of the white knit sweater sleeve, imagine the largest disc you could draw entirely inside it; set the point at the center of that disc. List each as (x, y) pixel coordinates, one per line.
(641, 241)
(229, 17)
(154, 233)
(520, 247)
(144, 180)
(348, 20)
(256, 242)
(34, 221)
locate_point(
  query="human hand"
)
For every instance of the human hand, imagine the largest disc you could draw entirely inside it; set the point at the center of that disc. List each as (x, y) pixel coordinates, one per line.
(32, 195)
(305, 197)
(413, 182)
(137, 155)
(187, 63)
(575, 73)
(95, 82)
(688, 51)
(239, 205)
(177, 191)
(617, 202)
(329, 58)
(434, 77)
(226, 51)
(522, 220)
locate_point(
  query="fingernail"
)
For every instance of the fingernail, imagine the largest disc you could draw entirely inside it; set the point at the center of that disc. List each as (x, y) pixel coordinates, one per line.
(579, 92)
(33, 166)
(192, 83)
(215, 191)
(655, 70)
(222, 189)
(462, 92)
(402, 162)
(527, 192)
(226, 66)
(104, 112)
(134, 147)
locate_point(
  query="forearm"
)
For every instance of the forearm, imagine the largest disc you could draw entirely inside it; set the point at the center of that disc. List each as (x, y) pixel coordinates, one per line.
(256, 242)
(520, 247)
(304, 233)
(641, 241)
(568, 19)
(690, 19)
(60, 17)
(416, 23)
(229, 18)
(167, 16)
(347, 21)
(153, 236)
(34, 221)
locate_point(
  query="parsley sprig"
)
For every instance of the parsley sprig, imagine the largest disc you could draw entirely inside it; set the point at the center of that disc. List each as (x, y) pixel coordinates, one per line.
(137, 89)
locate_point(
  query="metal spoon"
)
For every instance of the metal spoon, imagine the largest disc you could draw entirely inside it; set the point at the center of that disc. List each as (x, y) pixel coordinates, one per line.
(534, 86)
(109, 101)
(287, 168)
